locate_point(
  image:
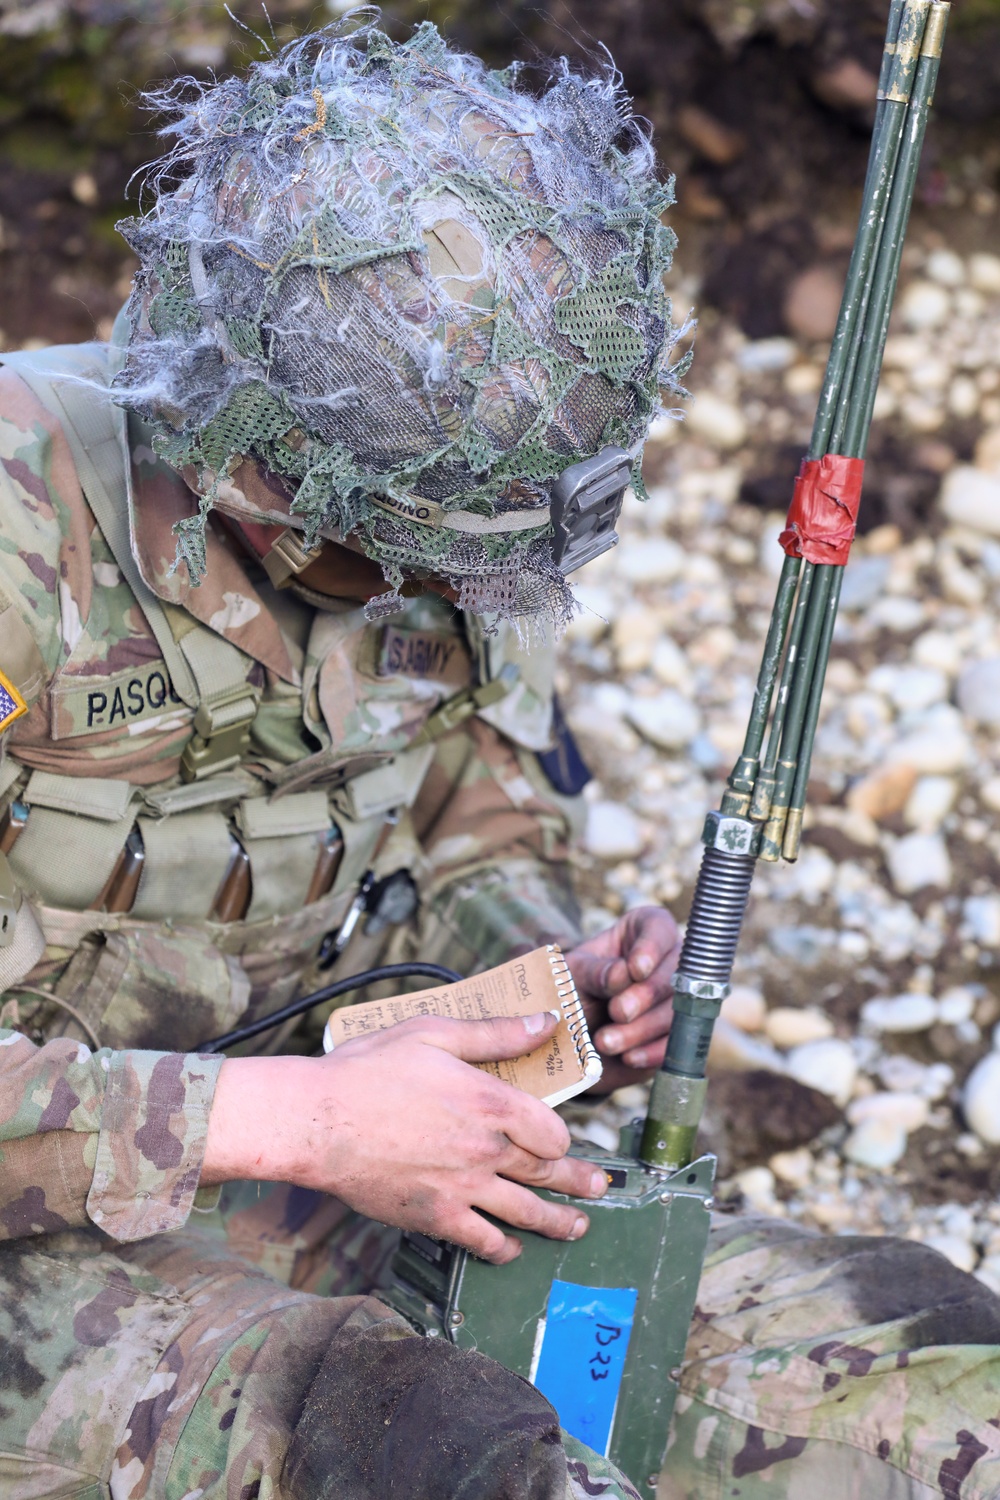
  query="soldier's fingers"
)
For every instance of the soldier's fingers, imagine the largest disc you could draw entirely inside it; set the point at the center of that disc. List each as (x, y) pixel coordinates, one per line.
(649, 934)
(473, 1232)
(576, 1178)
(644, 994)
(650, 1056)
(523, 1209)
(597, 975)
(648, 1027)
(490, 1040)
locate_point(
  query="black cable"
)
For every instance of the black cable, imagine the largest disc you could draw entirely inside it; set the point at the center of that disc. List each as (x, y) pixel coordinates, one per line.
(342, 986)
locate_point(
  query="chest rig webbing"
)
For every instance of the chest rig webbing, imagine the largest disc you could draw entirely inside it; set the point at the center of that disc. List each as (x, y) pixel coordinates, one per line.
(208, 672)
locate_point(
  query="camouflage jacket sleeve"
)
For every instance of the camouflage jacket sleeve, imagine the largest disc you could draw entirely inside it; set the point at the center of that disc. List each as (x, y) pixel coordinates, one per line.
(116, 1138)
(496, 840)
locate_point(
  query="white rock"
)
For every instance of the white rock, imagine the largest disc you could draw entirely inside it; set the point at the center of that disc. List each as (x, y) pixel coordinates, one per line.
(900, 1072)
(793, 1167)
(938, 1079)
(876, 1143)
(744, 1007)
(929, 374)
(909, 688)
(908, 1111)
(653, 560)
(719, 422)
(757, 1186)
(900, 1013)
(896, 612)
(924, 304)
(613, 831)
(930, 802)
(919, 860)
(936, 648)
(788, 1026)
(668, 720)
(763, 356)
(828, 1066)
(981, 1099)
(956, 1005)
(981, 917)
(945, 267)
(989, 794)
(988, 1272)
(953, 1248)
(864, 580)
(969, 497)
(936, 749)
(978, 690)
(669, 665)
(734, 1051)
(963, 397)
(984, 273)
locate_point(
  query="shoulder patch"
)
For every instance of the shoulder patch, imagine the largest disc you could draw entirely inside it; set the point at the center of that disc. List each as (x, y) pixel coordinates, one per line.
(12, 705)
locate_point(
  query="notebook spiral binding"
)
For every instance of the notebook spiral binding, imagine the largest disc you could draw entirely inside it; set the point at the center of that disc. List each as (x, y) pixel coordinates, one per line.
(572, 1008)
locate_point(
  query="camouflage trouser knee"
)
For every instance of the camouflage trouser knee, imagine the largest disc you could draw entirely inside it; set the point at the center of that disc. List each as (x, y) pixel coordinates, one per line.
(175, 1368)
(847, 1368)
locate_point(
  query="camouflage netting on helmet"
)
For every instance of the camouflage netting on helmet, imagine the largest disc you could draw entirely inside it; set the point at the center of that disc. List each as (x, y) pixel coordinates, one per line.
(410, 287)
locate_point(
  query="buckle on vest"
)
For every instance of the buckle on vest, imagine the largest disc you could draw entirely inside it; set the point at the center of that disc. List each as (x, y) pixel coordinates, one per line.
(221, 735)
(288, 557)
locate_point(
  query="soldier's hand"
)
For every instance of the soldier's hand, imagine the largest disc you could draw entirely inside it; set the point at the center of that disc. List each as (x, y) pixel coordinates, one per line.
(623, 977)
(400, 1127)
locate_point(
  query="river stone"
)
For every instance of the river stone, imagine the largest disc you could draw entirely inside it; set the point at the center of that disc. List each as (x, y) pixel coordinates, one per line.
(828, 1065)
(978, 691)
(908, 1111)
(924, 304)
(900, 1013)
(953, 1248)
(969, 497)
(876, 1143)
(788, 1026)
(984, 273)
(668, 720)
(718, 421)
(613, 831)
(864, 580)
(653, 560)
(930, 802)
(981, 1099)
(946, 267)
(744, 1007)
(917, 861)
(981, 915)
(909, 689)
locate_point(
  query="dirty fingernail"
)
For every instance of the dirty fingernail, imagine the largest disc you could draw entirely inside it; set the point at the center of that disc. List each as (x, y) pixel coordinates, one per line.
(643, 965)
(579, 1228)
(598, 1183)
(629, 1007)
(538, 1022)
(611, 1040)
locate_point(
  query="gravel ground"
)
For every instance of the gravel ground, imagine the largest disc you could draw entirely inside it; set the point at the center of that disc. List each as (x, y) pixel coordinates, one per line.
(863, 1029)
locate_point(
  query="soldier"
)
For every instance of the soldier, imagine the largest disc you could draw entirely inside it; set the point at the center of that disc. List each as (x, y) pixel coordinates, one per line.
(386, 301)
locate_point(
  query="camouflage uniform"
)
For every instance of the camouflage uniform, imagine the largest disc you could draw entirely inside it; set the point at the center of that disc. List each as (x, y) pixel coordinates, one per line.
(172, 1366)
(134, 1363)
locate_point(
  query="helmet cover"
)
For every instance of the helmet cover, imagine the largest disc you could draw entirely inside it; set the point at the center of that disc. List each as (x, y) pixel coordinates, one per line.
(411, 288)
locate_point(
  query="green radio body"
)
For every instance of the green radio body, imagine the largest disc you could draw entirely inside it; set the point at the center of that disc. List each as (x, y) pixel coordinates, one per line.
(598, 1324)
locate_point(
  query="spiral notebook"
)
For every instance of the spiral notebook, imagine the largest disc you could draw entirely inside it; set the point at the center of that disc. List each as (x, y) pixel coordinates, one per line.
(563, 1066)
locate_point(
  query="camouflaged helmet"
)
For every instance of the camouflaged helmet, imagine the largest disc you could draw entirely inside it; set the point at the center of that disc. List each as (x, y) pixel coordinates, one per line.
(415, 291)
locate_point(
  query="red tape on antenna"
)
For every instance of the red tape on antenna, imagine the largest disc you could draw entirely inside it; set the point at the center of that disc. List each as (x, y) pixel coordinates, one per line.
(823, 515)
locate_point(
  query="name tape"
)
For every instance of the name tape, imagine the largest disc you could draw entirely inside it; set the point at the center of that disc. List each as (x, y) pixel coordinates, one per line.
(121, 700)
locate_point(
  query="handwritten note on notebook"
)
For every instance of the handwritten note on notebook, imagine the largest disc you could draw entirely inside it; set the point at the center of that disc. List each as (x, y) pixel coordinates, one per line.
(563, 1066)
